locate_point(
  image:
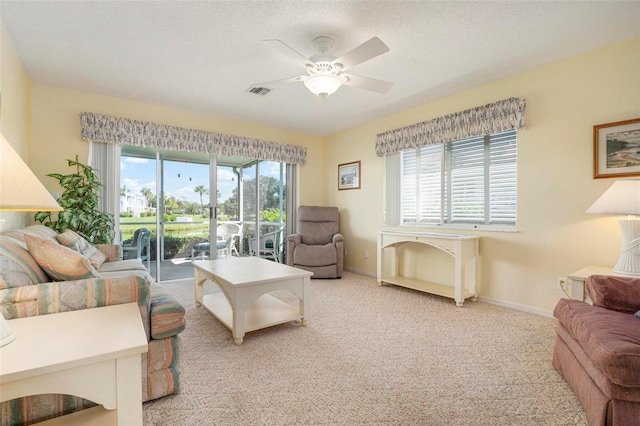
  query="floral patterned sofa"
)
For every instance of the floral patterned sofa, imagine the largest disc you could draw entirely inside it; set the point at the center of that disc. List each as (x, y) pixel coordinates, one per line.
(42, 272)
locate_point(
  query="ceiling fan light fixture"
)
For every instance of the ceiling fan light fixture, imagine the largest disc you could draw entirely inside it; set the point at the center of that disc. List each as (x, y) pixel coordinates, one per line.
(323, 84)
(325, 72)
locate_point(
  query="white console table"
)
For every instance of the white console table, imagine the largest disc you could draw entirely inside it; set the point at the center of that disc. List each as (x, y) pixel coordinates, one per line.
(463, 248)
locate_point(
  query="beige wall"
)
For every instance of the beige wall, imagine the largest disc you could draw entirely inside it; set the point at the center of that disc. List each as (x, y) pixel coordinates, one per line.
(555, 186)
(15, 115)
(56, 132)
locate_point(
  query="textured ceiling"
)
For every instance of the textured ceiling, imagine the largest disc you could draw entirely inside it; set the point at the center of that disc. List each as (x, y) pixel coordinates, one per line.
(202, 56)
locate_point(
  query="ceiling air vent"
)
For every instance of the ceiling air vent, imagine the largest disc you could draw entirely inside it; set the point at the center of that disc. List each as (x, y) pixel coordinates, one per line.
(262, 91)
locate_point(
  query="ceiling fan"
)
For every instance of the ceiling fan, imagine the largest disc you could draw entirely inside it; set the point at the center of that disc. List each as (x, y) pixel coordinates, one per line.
(326, 72)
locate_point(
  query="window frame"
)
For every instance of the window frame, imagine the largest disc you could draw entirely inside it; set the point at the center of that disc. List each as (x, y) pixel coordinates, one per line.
(395, 184)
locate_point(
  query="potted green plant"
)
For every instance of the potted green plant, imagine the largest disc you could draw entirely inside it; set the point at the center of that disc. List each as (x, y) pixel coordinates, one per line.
(80, 203)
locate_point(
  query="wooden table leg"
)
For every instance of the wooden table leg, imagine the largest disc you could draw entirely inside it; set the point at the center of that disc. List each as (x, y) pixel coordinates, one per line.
(129, 390)
(238, 308)
(306, 298)
(200, 278)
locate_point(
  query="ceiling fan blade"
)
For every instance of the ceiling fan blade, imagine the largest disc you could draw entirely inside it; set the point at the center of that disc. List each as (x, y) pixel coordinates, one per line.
(284, 80)
(367, 83)
(288, 51)
(367, 50)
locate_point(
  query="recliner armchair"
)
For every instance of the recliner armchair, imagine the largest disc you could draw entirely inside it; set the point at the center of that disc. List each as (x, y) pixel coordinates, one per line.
(318, 245)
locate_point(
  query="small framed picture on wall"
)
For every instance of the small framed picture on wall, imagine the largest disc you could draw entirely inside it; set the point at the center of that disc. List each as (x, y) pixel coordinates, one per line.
(616, 149)
(349, 175)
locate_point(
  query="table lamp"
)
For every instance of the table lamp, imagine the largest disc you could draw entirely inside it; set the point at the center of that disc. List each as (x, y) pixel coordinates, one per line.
(20, 190)
(623, 198)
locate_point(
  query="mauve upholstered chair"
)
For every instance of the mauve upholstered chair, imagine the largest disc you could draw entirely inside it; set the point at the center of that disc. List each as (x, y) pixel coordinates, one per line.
(318, 245)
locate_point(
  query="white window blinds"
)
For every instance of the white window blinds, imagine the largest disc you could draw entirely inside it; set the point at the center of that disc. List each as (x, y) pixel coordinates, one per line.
(470, 181)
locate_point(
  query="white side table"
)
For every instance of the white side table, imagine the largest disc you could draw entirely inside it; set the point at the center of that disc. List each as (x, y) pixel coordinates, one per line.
(579, 278)
(91, 353)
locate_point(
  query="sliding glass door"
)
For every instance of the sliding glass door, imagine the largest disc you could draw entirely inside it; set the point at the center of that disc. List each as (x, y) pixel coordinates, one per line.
(184, 223)
(178, 218)
(265, 194)
(138, 203)
(184, 217)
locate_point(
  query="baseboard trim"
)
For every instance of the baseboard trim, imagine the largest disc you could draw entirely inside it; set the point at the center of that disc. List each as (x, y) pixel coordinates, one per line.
(361, 272)
(517, 307)
(504, 304)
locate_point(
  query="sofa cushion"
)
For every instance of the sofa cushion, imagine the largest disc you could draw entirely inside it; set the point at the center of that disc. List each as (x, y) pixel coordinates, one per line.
(311, 255)
(576, 364)
(122, 265)
(112, 251)
(40, 231)
(19, 302)
(17, 266)
(167, 315)
(76, 242)
(59, 262)
(163, 367)
(616, 293)
(611, 339)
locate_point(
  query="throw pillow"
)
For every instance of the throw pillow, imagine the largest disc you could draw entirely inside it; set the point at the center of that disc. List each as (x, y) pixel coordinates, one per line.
(59, 262)
(616, 293)
(76, 242)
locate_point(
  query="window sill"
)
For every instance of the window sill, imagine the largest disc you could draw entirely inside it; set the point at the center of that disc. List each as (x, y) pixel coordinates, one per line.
(466, 227)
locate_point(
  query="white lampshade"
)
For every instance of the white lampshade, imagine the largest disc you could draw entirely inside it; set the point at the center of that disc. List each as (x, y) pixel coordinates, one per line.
(20, 189)
(323, 84)
(623, 197)
(6, 334)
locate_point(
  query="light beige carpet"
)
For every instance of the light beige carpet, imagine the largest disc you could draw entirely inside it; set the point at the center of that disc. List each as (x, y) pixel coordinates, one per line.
(370, 355)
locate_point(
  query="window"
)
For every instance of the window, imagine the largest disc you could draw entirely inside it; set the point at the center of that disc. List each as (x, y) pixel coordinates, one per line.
(469, 182)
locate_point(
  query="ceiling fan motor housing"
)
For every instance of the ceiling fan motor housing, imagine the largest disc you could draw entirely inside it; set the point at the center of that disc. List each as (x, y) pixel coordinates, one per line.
(323, 67)
(325, 74)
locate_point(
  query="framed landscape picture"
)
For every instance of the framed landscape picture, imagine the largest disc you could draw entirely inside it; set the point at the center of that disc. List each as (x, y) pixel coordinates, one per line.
(616, 149)
(349, 175)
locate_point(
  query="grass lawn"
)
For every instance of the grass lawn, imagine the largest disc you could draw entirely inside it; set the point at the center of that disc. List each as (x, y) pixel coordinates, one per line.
(199, 227)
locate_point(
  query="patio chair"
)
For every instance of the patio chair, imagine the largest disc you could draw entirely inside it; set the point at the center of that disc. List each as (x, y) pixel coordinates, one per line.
(269, 245)
(226, 243)
(139, 247)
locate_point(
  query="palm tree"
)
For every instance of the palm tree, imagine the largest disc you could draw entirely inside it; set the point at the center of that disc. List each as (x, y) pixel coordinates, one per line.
(201, 190)
(123, 190)
(148, 195)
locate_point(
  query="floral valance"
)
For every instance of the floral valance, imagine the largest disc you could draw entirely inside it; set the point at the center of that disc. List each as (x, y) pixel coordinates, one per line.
(495, 117)
(124, 131)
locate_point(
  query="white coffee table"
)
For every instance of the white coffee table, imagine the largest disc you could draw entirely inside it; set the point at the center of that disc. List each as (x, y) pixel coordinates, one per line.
(91, 353)
(244, 305)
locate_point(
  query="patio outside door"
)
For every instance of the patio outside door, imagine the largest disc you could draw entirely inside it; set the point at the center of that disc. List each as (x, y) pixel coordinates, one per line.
(184, 218)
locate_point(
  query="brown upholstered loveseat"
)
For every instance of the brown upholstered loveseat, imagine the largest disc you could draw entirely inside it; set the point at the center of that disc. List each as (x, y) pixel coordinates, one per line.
(597, 349)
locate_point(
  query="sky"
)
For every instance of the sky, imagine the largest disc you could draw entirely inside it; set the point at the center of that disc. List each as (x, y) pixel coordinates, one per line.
(181, 178)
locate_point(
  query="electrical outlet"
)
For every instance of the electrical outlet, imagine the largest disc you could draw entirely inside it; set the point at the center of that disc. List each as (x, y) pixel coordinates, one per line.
(366, 254)
(561, 283)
